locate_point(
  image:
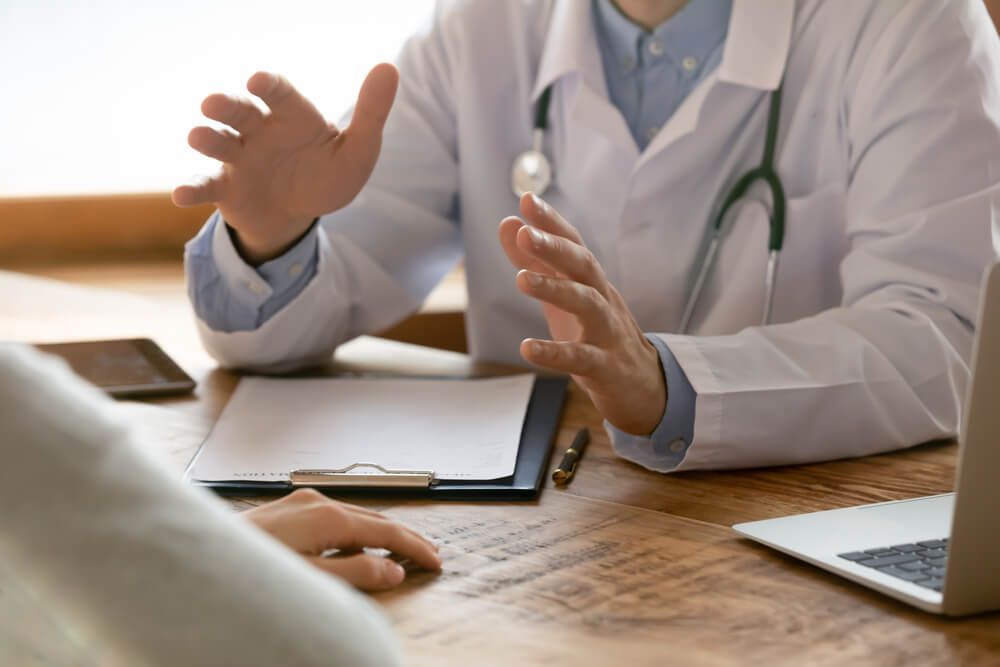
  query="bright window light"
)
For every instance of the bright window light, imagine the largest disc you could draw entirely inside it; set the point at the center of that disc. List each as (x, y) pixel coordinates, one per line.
(99, 95)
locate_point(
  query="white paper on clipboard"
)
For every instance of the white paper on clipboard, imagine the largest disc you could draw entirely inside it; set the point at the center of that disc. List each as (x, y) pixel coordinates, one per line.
(459, 429)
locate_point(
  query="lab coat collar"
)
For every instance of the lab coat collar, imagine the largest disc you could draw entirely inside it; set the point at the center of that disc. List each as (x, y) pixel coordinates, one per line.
(755, 53)
(760, 33)
(570, 47)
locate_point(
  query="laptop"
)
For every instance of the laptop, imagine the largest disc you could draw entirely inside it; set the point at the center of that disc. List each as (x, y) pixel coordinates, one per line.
(938, 553)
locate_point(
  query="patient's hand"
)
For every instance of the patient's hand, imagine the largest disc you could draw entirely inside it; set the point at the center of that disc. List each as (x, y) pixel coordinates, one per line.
(311, 524)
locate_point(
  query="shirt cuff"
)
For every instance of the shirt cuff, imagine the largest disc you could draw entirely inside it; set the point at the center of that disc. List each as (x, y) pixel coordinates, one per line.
(664, 449)
(230, 295)
(288, 274)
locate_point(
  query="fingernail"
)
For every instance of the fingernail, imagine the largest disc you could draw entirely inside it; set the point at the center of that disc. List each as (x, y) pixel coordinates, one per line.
(537, 201)
(538, 349)
(533, 278)
(537, 237)
(394, 573)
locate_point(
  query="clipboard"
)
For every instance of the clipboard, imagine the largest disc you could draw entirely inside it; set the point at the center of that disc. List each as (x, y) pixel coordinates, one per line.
(368, 478)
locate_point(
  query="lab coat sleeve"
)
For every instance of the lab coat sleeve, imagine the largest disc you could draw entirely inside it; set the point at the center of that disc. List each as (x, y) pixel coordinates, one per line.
(143, 568)
(379, 257)
(890, 367)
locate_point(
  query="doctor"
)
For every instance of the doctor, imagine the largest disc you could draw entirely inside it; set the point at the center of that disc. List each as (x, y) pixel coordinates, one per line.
(878, 119)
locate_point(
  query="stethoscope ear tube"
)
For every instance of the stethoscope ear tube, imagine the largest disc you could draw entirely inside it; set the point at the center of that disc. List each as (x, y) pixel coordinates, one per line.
(707, 262)
(776, 234)
(773, 257)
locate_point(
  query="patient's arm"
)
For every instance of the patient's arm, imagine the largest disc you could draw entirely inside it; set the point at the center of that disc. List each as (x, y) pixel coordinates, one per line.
(145, 569)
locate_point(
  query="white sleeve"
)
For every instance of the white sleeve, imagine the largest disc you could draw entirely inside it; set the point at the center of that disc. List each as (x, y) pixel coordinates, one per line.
(890, 367)
(379, 257)
(145, 569)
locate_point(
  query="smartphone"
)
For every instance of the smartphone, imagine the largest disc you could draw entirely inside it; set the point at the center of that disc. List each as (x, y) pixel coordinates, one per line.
(129, 368)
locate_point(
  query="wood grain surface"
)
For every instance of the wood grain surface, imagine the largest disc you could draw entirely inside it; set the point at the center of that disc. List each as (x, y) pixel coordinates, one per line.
(624, 567)
(96, 227)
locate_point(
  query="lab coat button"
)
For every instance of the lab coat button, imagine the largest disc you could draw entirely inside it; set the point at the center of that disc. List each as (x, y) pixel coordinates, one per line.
(656, 48)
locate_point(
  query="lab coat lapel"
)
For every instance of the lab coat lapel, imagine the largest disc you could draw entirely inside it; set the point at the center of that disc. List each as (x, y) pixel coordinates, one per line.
(754, 55)
(571, 53)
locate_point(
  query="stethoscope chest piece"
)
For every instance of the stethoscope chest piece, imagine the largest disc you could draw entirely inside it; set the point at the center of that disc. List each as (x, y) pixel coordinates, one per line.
(531, 171)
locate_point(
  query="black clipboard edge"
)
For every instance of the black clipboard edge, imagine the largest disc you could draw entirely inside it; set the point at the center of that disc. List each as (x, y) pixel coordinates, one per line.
(548, 396)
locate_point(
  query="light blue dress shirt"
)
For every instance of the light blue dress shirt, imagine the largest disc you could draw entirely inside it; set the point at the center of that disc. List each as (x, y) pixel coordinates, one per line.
(648, 75)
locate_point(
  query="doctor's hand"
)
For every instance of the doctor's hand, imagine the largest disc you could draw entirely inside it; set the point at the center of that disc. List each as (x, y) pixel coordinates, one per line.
(594, 336)
(310, 524)
(284, 167)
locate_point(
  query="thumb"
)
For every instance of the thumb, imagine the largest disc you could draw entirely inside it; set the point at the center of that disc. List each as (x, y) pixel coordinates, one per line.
(375, 100)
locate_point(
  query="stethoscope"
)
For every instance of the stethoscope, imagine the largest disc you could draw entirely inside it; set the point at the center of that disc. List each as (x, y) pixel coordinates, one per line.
(532, 172)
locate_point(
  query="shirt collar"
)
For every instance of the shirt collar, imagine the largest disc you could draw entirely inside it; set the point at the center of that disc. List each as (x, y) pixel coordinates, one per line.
(693, 32)
(757, 44)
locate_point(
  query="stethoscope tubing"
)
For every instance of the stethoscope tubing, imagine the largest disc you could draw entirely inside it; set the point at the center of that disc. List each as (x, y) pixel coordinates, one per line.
(524, 180)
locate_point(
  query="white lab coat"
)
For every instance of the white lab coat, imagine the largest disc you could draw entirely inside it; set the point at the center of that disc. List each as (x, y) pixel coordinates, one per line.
(889, 151)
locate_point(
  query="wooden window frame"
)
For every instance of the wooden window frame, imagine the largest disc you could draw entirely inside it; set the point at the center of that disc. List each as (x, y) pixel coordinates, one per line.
(74, 228)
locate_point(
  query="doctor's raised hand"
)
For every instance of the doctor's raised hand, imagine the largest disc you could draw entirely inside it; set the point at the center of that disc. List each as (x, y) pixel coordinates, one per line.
(286, 166)
(594, 336)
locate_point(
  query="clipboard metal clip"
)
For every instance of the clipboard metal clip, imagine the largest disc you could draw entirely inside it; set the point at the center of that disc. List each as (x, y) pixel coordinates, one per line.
(347, 477)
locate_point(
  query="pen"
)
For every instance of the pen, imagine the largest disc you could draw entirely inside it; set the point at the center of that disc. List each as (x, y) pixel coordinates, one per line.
(564, 472)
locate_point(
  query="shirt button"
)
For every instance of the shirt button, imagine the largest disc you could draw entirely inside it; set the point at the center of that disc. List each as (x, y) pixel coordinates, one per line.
(628, 63)
(677, 446)
(656, 48)
(295, 270)
(652, 132)
(256, 288)
(689, 64)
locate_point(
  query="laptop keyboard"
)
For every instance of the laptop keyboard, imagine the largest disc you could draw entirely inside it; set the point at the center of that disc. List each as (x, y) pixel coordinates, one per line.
(922, 563)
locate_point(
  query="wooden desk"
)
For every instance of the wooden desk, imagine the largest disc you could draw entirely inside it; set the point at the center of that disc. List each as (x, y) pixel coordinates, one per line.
(625, 567)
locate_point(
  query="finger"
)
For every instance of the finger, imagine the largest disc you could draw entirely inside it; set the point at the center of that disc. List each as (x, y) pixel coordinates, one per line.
(541, 214)
(386, 534)
(365, 571)
(584, 301)
(365, 511)
(414, 534)
(564, 357)
(208, 190)
(278, 94)
(509, 227)
(563, 256)
(237, 112)
(310, 496)
(222, 145)
(371, 514)
(332, 524)
(374, 101)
